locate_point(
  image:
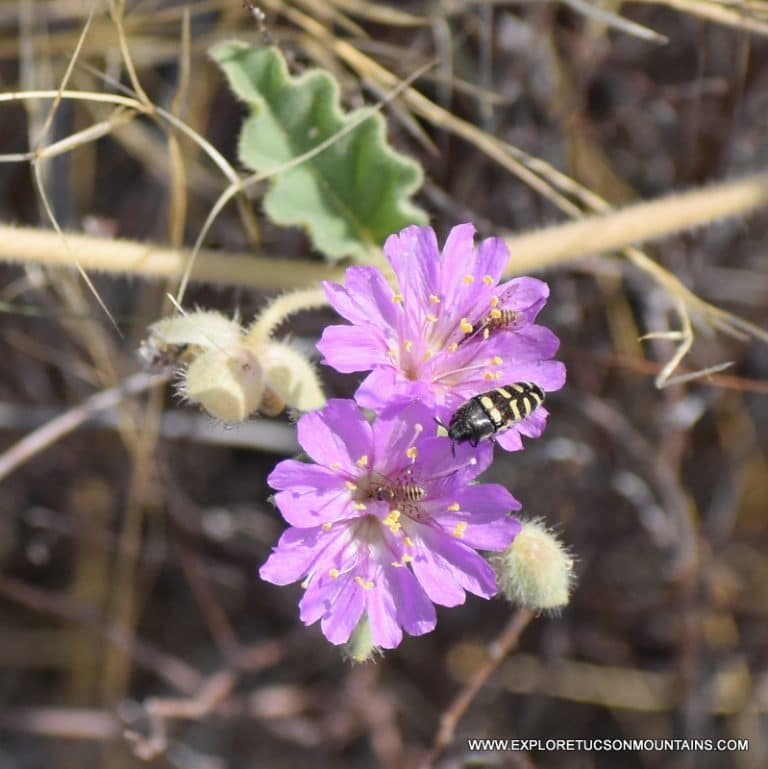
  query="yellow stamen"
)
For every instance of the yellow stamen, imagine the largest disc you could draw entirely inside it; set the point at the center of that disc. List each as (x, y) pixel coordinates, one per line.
(428, 354)
(398, 564)
(327, 525)
(495, 313)
(465, 326)
(334, 573)
(468, 279)
(459, 529)
(408, 345)
(494, 301)
(412, 452)
(397, 298)
(351, 486)
(407, 558)
(360, 506)
(453, 347)
(434, 299)
(432, 318)
(366, 584)
(392, 521)
(488, 280)
(454, 507)
(408, 542)
(488, 375)
(335, 466)
(497, 361)
(363, 461)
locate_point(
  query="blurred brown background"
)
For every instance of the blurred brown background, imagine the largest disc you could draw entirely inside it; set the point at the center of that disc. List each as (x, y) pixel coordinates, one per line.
(129, 548)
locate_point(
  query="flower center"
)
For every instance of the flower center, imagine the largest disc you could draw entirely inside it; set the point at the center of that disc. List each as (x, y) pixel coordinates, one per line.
(403, 495)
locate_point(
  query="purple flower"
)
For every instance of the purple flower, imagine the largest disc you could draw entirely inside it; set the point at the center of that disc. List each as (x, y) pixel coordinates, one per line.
(386, 523)
(449, 332)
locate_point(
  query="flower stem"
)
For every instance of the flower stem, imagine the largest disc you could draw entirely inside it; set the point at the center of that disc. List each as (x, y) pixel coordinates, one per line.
(281, 308)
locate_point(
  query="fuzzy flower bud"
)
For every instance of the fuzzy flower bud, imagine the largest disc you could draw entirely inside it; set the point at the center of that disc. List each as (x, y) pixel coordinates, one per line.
(231, 372)
(361, 646)
(536, 570)
(228, 384)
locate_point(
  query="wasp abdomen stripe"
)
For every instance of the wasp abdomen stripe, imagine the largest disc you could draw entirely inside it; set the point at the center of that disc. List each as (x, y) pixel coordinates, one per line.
(491, 412)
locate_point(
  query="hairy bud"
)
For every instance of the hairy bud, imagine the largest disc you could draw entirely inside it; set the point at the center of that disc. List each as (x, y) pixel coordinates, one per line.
(228, 384)
(360, 647)
(536, 570)
(232, 373)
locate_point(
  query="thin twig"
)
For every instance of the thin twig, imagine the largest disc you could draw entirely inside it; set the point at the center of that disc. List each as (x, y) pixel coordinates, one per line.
(174, 671)
(211, 693)
(498, 650)
(62, 723)
(46, 435)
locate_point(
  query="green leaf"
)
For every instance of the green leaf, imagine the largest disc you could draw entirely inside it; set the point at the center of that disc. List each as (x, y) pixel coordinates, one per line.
(349, 196)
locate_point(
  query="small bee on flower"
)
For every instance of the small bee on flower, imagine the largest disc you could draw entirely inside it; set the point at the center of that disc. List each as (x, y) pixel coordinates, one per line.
(385, 523)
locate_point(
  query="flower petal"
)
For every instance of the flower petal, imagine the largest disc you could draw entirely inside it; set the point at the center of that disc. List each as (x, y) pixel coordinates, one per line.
(336, 434)
(445, 567)
(494, 533)
(547, 374)
(436, 578)
(337, 602)
(297, 554)
(445, 466)
(291, 473)
(415, 612)
(524, 295)
(458, 563)
(458, 281)
(486, 500)
(353, 348)
(534, 424)
(365, 298)
(527, 343)
(396, 432)
(344, 611)
(414, 256)
(510, 439)
(532, 427)
(382, 613)
(385, 388)
(492, 258)
(307, 507)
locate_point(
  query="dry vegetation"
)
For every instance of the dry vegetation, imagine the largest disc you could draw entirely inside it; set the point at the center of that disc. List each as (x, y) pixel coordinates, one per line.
(131, 529)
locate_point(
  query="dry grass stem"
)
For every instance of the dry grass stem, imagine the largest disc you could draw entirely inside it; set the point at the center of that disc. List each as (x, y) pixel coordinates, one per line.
(48, 434)
(34, 246)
